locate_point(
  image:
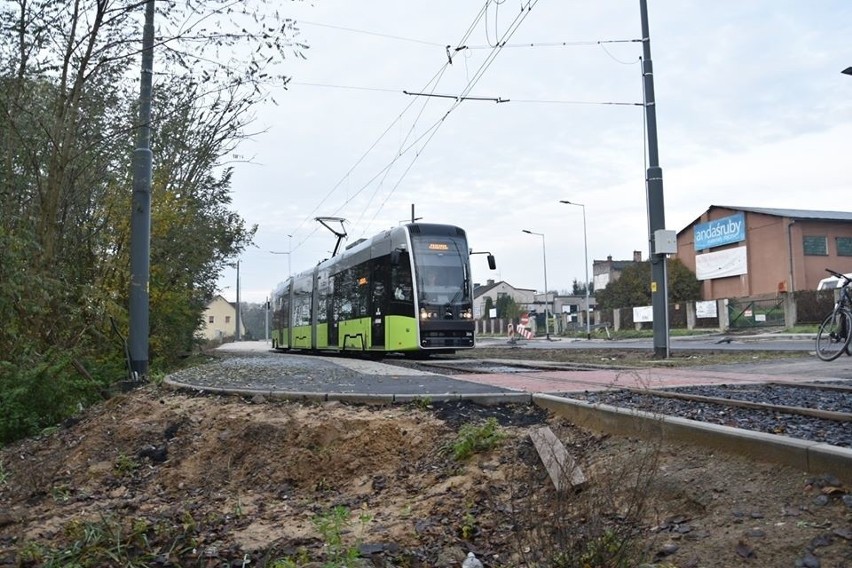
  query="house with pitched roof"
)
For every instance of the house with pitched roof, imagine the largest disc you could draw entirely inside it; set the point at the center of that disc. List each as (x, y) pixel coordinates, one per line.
(523, 297)
(219, 320)
(609, 270)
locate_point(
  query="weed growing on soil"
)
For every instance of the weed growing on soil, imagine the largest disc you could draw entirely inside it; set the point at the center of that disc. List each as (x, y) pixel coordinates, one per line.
(423, 403)
(332, 525)
(125, 465)
(473, 438)
(597, 524)
(110, 541)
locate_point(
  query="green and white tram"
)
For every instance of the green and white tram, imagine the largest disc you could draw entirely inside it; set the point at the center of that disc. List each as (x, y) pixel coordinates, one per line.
(405, 290)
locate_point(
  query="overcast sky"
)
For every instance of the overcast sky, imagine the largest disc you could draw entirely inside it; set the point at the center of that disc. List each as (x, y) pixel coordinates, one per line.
(752, 110)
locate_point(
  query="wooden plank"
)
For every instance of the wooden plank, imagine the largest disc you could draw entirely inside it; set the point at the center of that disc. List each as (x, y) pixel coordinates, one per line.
(563, 470)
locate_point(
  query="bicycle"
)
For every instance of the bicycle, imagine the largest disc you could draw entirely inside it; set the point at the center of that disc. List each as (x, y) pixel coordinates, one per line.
(835, 332)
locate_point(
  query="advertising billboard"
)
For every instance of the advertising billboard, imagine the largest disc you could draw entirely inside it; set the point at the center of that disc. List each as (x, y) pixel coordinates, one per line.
(720, 232)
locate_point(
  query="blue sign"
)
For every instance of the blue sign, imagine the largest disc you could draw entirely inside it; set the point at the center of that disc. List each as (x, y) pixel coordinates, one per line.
(720, 232)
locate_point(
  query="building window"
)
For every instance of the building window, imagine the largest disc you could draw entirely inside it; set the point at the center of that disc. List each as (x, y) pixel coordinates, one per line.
(815, 246)
(844, 246)
(227, 319)
(210, 319)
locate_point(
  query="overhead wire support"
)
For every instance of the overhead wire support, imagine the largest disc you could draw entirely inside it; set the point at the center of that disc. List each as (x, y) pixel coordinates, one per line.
(458, 97)
(456, 50)
(578, 43)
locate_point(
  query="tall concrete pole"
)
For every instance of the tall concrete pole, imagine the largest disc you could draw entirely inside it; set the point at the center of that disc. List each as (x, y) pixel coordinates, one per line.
(656, 209)
(140, 218)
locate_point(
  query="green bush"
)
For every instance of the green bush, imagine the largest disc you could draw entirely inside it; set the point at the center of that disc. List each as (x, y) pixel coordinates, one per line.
(38, 392)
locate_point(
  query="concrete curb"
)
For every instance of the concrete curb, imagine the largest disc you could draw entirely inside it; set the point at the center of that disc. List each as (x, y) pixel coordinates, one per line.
(811, 457)
(484, 399)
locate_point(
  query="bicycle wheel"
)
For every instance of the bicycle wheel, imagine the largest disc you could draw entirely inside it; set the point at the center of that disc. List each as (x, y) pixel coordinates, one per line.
(834, 335)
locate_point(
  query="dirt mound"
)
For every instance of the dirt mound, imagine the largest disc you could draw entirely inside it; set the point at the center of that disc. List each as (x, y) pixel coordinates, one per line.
(159, 478)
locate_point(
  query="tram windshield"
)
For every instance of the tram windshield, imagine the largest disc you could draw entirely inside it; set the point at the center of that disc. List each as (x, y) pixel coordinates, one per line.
(442, 271)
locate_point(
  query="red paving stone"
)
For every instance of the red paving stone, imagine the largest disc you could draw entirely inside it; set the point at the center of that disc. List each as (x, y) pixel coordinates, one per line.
(579, 381)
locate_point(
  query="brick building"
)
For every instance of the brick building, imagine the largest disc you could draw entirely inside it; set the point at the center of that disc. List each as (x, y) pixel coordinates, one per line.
(739, 252)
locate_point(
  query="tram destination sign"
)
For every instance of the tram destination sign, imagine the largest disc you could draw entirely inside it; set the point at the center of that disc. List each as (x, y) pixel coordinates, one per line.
(720, 232)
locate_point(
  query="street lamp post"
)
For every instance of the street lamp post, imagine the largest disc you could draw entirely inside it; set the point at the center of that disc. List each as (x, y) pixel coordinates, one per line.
(586, 262)
(289, 253)
(546, 309)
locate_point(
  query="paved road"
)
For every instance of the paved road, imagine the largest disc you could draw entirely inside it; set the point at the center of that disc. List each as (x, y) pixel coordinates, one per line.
(256, 369)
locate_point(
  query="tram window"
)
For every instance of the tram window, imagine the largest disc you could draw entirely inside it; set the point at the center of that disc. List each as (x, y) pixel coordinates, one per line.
(351, 291)
(302, 308)
(322, 299)
(362, 290)
(379, 298)
(341, 307)
(401, 279)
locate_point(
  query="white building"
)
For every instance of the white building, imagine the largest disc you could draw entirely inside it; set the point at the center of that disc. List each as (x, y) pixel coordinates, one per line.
(220, 321)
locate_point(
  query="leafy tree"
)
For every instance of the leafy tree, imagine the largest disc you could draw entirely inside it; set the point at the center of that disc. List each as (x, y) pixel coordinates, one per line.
(68, 89)
(683, 285)
(633, 287)
(506, 307)
(579, 288)
(489, 305)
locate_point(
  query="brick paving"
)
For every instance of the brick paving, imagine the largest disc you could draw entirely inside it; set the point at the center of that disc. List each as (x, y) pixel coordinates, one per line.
(587, 380)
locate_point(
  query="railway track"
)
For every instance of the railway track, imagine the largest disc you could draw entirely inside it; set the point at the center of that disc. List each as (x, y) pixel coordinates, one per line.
(815, 412)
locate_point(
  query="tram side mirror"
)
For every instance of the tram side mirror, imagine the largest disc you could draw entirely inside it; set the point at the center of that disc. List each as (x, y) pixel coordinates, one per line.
(492, 264)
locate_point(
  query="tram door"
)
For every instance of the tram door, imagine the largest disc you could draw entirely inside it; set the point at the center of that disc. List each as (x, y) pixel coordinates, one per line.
(333, 305)
(379, 300)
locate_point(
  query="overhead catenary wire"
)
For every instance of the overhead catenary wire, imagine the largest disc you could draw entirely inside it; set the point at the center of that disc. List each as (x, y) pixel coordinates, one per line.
(415, 148)
(357, 163)
(434, 82)
(513, 27)
(371, 33)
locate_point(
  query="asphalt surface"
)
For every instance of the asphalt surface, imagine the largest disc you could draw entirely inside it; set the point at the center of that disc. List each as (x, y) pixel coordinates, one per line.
(253, 367)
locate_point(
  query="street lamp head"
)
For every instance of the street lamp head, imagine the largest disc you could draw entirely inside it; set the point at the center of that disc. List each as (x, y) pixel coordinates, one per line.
(847, 71)
(526, 231)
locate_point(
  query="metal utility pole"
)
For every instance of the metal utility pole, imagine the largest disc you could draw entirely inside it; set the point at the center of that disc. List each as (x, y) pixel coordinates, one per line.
(547, 309)
(140, 217)
(656, 210)
(586, 258)
(266, 319)
(239, 335)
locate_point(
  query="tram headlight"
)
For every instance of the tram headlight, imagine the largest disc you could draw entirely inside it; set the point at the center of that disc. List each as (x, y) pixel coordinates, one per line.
(467, 314)
(424, 314)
